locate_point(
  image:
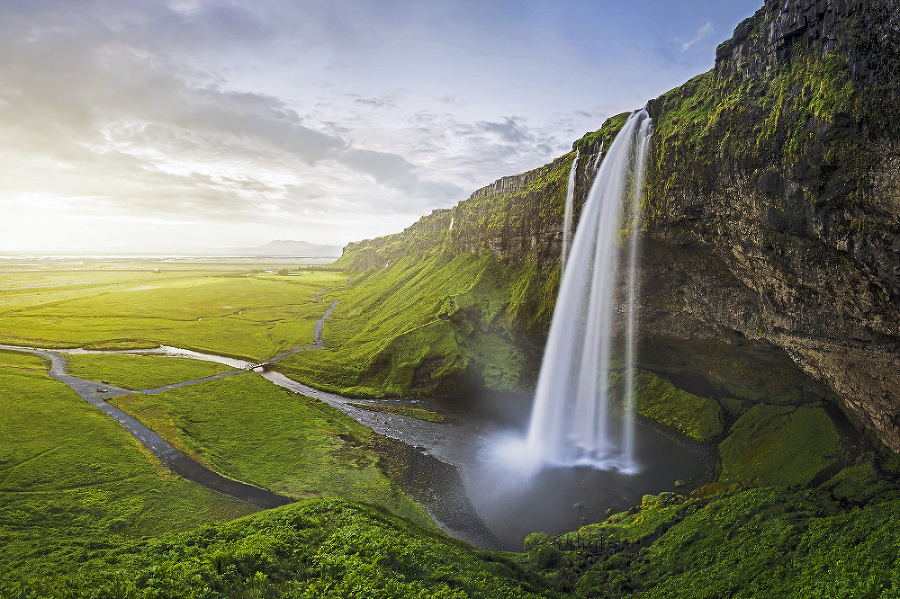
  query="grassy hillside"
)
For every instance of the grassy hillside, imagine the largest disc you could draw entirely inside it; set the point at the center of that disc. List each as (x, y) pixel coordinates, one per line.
(427, 325)
(758, 543)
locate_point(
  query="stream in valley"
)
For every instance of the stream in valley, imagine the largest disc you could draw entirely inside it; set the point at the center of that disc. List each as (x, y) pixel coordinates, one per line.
(461, 470)
(452, 468)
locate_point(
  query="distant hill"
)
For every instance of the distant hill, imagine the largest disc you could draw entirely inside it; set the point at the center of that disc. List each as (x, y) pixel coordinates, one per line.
(287, 247)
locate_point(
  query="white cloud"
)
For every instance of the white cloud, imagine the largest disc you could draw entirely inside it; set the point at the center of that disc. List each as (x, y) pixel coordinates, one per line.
(702, 34)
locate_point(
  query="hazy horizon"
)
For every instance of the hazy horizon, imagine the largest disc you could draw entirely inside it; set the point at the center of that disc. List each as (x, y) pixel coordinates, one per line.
(159, 124)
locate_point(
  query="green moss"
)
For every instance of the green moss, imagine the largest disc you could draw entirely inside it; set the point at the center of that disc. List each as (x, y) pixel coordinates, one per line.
(859, 484)
(658, 400)
(799, 124)
(778, 445)
(638, 524)
(772, 543)
(604, 135)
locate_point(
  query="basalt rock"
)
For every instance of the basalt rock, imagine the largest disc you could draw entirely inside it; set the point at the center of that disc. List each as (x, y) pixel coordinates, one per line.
(772, 208)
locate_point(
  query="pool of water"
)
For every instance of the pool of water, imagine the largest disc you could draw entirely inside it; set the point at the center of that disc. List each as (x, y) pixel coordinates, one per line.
(512, 502)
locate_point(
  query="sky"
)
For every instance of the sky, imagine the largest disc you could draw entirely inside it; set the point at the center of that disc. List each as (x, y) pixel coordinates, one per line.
(151, 125)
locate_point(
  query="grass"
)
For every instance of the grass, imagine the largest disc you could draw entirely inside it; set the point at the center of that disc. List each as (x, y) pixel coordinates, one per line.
(252, 316)
(417, 328)
(73, 482)
(139, 372)
(656, 399)
(763, 543)
(248, 429)
(311, 549)
(759, 543)
(642, 521)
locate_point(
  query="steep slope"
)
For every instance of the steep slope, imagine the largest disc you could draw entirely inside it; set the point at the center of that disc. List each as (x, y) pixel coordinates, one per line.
(772, 212)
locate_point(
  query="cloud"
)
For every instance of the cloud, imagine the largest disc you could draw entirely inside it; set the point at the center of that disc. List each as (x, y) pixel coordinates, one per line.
(702, 34)
(509, 130)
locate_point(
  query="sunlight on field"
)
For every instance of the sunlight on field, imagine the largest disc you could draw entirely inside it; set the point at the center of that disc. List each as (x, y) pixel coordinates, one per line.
(229, 308)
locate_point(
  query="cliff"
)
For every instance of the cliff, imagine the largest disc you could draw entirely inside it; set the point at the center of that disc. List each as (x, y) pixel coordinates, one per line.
(772, 211)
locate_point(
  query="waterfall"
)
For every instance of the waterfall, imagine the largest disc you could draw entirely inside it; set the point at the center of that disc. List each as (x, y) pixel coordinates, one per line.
(571, 423)
(567, 222)
(597, 158)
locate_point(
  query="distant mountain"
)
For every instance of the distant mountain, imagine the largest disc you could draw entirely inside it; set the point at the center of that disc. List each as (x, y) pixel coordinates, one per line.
(287, 247)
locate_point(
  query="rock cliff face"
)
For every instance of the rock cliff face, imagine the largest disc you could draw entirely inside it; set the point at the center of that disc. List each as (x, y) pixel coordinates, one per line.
(772, 209)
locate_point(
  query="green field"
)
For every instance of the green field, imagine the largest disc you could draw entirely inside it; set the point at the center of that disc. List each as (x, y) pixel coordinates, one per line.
(251, 430)
(140, 372)
(72, 481)
(252, 316)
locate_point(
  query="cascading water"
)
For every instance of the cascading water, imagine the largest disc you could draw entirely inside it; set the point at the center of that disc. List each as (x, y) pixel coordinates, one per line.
(571, 423)
(597, 158)
(567, 221)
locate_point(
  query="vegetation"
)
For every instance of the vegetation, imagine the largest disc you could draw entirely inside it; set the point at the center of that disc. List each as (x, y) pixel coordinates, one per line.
(656, 399)
(418, 328)
(139, 372)
(314, 548)
(803, 504)
(252, 316)
(246, 428)
(777, 445)
(73, 483)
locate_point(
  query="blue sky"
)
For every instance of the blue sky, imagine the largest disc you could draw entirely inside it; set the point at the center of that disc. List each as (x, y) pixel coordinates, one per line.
(152, 124)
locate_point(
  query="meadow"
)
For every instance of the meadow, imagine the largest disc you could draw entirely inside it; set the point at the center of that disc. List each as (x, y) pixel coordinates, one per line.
(226, 310)
(73, 482)
(248, 429)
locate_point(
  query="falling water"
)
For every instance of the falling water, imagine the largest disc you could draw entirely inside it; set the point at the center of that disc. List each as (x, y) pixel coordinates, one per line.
(571, 422)
(597, 158)
(570, 200)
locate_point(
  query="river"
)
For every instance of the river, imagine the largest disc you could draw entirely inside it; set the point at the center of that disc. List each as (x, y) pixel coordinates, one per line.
(472, 489)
